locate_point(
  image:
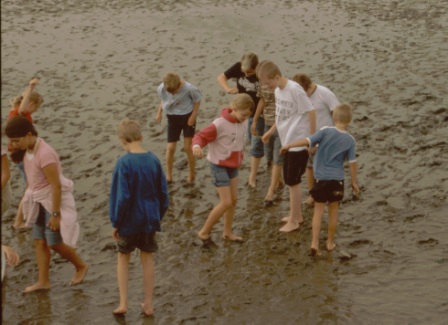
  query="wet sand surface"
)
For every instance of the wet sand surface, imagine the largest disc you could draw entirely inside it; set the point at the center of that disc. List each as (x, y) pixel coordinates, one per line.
(101, 61)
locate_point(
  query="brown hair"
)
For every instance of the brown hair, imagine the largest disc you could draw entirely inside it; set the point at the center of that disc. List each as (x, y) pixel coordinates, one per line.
(129, 130)
(18, 127)
(35, 98)
(304, 80)
(343, 113)
(249, 61)
(171, 82)
(268, 69)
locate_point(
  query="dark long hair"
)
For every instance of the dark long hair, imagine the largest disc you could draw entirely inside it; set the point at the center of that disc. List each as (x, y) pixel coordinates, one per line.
(18, 127)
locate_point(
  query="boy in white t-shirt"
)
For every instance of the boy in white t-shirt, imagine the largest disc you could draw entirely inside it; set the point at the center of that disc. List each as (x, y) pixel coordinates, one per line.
(324, 102)
(295, 119)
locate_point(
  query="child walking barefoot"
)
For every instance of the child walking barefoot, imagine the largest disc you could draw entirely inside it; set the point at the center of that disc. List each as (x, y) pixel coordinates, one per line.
(138, 202)
(225, 138)
(335, 145)
(48, 190)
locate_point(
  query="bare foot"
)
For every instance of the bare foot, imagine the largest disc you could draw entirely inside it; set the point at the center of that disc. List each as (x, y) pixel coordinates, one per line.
(233, 238)
(36, 287)
(330, 246)
(148, 312)
(251, 184)
(286, 219)
(190, 179)
(290, 226)
(120, 311)
(280, 185)
(79, 276)
(309, 201)
(314, 252)
(203, 237)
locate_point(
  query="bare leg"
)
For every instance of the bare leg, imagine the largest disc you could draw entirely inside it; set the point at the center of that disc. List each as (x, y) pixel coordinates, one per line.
(317, 219)
(310, 181)
(43, 257)
(295, 198)
(225, 203)
(254, 164)
(169, 158)
(147, 260)
(333, 208)
(72, 256)
(275, 178)
(190, 158)
(229, 214)
(123, 280)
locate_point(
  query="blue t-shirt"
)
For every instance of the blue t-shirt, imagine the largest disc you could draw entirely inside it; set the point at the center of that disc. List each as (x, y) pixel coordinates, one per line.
(182, 102)
(138, 194)
(334, 147)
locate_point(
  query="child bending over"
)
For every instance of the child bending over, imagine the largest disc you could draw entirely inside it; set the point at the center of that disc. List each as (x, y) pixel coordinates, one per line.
(335, 145)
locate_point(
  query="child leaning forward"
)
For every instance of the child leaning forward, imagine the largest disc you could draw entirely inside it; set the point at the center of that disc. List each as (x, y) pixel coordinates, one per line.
(225, 138)
(335, 146)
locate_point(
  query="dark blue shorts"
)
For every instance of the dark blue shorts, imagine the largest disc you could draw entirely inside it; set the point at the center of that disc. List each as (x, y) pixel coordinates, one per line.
(146, 242)
(221, 176)
(327, 191)
(178, 124)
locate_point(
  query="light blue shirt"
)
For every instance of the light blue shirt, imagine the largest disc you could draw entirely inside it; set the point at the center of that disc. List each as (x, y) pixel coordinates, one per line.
(335, 146)
(182, 102)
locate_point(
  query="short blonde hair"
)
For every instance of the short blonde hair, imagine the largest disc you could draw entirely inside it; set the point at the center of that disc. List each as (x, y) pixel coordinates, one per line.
(242, 102)
(249, 61)
(268, 69)
(129, 130)
(304, 80)
(343, 113)
(171, 82)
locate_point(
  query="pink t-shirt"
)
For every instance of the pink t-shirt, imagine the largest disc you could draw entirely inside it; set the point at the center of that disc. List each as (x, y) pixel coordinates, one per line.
(34, 165)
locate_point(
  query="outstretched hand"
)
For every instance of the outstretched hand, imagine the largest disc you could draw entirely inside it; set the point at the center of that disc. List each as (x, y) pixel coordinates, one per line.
(197, 152)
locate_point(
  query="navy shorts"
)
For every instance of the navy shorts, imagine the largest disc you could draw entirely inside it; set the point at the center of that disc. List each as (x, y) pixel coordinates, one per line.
(327, 191)
(221, 176)
(42, 232)
(294, 166)
(146, 242)
(256, 144)
(178, 124)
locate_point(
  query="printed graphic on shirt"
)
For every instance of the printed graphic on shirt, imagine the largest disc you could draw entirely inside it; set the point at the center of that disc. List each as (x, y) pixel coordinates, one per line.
(284, 109)
(246, 84)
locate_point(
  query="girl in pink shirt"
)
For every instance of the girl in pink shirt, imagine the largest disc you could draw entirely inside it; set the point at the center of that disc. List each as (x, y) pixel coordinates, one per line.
(45, 191)
(225, 138)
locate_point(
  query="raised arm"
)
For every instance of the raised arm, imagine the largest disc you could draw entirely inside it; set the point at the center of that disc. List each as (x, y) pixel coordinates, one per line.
(27, 95)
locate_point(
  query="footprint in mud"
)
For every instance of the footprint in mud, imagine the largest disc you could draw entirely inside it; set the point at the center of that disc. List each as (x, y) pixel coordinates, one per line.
(360, 242)
(413, 218)
(428, 242)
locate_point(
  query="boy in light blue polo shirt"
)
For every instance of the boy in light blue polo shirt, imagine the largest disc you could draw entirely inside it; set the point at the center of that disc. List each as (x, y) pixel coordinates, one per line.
(180, 101)
(335, 146)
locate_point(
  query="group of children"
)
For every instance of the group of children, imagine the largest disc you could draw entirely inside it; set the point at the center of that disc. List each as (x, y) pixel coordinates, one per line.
(278, 113)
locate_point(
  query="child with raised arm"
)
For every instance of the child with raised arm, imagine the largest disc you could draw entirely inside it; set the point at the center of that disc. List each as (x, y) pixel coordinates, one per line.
(295, 119)
(324, 102)
(138, 202)
(180, 101)
(225, 138)
(335, 146)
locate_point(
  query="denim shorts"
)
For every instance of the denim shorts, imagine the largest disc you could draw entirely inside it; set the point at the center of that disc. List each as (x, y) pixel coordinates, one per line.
(178, 124)
(272, 148)
(146, 242)
(294, 167)
(256, 144)
(327, 191)
(221, 176)
(42, 232)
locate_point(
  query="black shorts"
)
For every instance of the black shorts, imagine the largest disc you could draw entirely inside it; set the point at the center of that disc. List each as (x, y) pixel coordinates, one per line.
(177, 124)
(327, 191)
(294, 166)
(146, 242)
